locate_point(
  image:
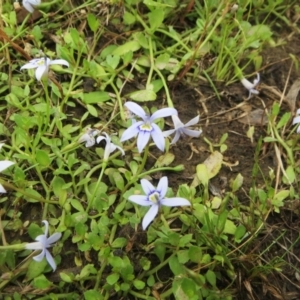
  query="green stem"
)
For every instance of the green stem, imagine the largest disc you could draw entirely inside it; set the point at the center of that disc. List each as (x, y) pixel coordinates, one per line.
(169, 100)
(48, 104)
(286, 147)
(24, 193)
(91, 200)
(99, 275)
(151, 61)
(119, 101)
(16, 247)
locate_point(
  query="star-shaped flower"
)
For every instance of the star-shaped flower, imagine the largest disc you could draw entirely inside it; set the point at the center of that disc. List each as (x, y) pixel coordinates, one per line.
(182, 129)
(30, 5)
(155, 197)
(251, 86)
(146, 128)
(42, 66)
(42, 243)
(4, 164)
(109, 147)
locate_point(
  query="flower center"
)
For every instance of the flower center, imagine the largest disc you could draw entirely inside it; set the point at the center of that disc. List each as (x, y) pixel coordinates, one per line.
(41, 62)
(146, 127)
(154, 197)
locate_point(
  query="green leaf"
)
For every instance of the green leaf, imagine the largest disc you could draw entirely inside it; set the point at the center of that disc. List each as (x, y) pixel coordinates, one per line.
(156, 18)
(211, 277)
(42, 157)
(138, 284)
(93, 22)
(92, 110)
(129, 46)
(202, 174)
(240, 233)
(185, 240)
(77, 205)
(128, 18)
(41, 282)
(112, 278)
(92, 295)
(35, 269)
(118, 180)
(175, 266)
(66, 277)
(162, 60)
(143, 95)
(230, 227)
(95, 97)
(237, 183)
(164, 160)
(113, 60)
(119, 242)
(160, 251)
(195, 254)
(283, 120)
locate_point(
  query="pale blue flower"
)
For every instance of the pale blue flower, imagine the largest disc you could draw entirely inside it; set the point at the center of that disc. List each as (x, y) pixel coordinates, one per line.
(42, 66)
(146, 128)
(251, 86)
(182, 129)
(4, 164)
(109, 147)
(89, 137)
(296, 120)
(30, 5)
(155, 197)
(42, 243)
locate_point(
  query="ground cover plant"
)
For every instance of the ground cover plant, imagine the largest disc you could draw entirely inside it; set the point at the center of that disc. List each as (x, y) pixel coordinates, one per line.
(149, 149)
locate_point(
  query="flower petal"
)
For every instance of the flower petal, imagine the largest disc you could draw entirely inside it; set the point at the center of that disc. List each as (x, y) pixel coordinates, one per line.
(120, 149)
(192, 122)
(158, 137)
(131, 131)
(32, 64)
(256, 81)
(147, 186)
(143, 140)
(34, 2)
(253, 91)
(150, 215)
(50, 260)
(296, 120)
(176, 201)
(40, 256)
(140, 200)
(247, 84)
(176, 121)
(176, 138)
(2, 189)
(4, 164)
(162, 186)
(40, 72)
(53, 238)
(59, 62)
(168, 132)
(164, 112)
(192, 133)
(34, 246)
(136, 109)
(28, 6)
